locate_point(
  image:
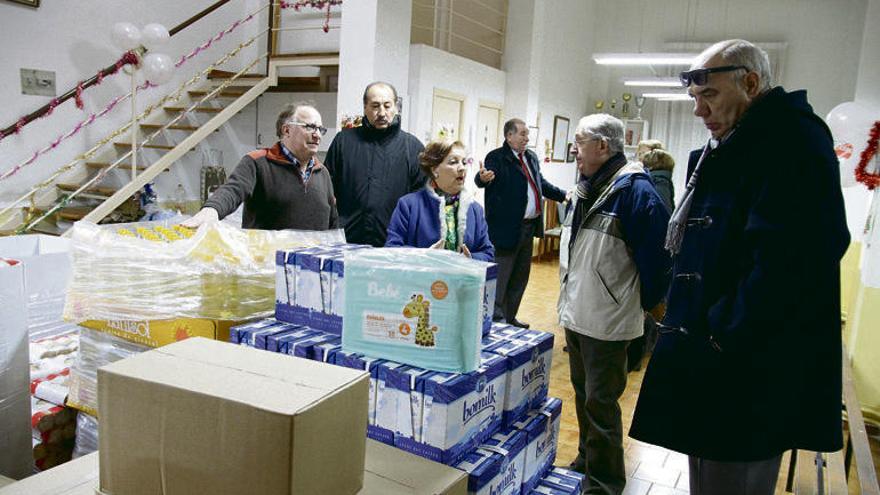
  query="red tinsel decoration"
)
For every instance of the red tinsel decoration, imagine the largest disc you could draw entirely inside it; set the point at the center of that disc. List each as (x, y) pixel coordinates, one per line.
(862, 174)
(314, 4)
(78, 99)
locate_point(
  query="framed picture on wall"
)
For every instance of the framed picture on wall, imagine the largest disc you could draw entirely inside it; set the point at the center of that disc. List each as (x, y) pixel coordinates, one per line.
(533, 137)
(569, 153)
(634, 131)
(560, 138)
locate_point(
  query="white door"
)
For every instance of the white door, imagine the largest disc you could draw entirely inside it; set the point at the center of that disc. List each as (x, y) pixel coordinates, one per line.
(446, 115)
(488, 137)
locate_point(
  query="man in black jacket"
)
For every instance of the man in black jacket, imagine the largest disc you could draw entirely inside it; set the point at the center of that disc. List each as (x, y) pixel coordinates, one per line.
(748, 364)
(514, 188)
(372, 166)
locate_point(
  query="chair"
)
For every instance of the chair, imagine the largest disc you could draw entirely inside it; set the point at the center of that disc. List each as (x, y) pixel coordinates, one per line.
(554, 214)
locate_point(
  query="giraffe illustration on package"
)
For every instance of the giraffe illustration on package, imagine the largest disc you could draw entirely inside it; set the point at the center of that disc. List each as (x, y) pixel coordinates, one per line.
(420, 308)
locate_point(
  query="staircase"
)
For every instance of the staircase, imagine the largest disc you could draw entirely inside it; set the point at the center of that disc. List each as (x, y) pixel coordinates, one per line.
(178, 129)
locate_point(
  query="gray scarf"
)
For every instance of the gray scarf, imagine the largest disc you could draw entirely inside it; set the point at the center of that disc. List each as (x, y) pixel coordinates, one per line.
(678, 221)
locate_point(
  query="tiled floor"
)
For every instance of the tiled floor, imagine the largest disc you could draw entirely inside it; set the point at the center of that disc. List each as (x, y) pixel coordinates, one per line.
(650, 470)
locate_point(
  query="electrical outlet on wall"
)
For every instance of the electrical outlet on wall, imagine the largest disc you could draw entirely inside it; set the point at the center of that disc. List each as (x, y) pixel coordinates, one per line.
(37, 82)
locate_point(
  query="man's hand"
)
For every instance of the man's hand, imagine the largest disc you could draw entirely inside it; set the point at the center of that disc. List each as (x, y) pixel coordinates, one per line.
(658, 312)
(205, 215)
(464, 250)
(568, 196)
(486, 176)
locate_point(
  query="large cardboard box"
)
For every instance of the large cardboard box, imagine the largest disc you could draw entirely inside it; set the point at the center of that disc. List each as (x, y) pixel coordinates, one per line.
(15, 402)
(388, 471)
(201, 416)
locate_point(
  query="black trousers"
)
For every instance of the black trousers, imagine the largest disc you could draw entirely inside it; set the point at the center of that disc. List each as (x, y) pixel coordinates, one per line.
(598, 375)
(514, 267)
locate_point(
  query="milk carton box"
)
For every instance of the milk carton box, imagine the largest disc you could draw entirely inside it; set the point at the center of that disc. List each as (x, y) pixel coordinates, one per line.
(458, 411)
(272, 340)
(489, 296)
(542, 428)
(422, 307)
(308, 280)
(285, 287)
(542, 489)
(305, 348)
(496, 467)
(245, 334)
(388, 376)
(563, 479)
(285, 344)
(282, 297)
(360, 362)
(503, 331)
(320, 349)
(528, 372)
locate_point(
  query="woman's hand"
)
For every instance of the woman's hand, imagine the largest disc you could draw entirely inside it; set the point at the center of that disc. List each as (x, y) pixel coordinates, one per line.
(439, 244)
(464, 250)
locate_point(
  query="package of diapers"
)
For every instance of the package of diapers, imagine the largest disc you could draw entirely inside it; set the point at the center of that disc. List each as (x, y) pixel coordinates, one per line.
(542, 428)
(529, 356)
(451, 413)
(496, 467)
(422, 307)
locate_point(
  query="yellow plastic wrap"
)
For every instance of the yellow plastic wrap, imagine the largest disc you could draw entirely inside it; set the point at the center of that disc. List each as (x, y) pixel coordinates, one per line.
(159, 270)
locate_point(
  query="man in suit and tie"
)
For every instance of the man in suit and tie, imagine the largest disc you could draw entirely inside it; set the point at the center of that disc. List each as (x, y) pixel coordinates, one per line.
(514, 188)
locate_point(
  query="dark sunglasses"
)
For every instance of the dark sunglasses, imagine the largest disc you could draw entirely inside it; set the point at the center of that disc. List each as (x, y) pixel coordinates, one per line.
(700, 77)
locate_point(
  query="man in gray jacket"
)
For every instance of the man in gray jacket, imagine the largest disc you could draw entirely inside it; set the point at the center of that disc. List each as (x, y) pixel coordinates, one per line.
(617, 269)
(282, 187)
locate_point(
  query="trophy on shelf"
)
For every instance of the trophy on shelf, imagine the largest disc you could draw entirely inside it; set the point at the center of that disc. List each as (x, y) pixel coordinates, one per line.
(640, 102)
(599, 105)
(613, 107)
(624, 111)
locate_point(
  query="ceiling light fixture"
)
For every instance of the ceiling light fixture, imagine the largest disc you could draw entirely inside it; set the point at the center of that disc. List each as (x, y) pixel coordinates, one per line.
(644, 58)
(675, 96)
(653, 82)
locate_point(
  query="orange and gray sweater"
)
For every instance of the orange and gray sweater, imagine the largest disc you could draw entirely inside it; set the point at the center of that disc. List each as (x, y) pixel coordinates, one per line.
(274, 194)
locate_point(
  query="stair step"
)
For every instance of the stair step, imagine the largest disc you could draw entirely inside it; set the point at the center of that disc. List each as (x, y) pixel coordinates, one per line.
(98, 190)
(47, 229)
(321, 59)
(222, 94)
(196, 109)
(148, 146)
(74, 213)
(225, 74)
(171, 127)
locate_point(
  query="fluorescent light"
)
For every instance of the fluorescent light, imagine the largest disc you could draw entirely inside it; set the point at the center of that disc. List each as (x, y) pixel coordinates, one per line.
(668, 96)
(671, 98)
(644, 58)
(656, 82)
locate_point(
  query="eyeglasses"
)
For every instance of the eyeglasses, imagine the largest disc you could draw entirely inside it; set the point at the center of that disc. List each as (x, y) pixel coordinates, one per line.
(311, 128)
(700, 77)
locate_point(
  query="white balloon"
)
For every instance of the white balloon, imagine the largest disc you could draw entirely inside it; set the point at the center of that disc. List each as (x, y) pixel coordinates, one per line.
(126, 36)
(850, 124)
(158, 68)
(154, 36)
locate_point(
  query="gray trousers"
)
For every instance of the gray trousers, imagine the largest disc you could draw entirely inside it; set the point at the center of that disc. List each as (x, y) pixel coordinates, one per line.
(733, 478)
(514, 267)
(598, 375)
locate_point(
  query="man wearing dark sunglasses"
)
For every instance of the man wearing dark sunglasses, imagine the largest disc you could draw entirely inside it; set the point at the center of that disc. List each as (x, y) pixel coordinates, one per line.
(748, 362)
(282, 187)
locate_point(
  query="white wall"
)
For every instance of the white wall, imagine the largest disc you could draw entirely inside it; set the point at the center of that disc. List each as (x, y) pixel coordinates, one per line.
(432, 69)
(567, 41)
(73, 40)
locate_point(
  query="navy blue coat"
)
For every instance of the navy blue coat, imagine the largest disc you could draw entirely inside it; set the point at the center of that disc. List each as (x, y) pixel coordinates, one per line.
(759, 273)
(416, 222)
(506, 195)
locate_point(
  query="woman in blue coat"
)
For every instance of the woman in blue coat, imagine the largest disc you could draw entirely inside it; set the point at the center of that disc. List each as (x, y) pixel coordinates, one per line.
(440, 216)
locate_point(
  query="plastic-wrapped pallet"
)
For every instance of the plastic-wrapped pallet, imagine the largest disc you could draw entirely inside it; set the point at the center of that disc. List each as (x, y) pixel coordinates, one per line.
(496, 467)
(159, 270)
(542, 428)
(86, 435)
(95, 350)
(53, 431)
(422, 307)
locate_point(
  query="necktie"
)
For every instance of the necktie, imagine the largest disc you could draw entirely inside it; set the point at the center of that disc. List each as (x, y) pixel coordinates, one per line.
(532, 184)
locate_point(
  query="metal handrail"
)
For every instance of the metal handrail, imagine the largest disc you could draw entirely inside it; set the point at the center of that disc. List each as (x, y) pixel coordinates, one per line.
(95, 79)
